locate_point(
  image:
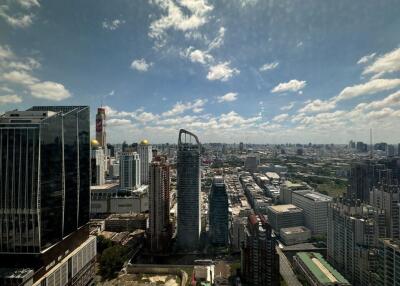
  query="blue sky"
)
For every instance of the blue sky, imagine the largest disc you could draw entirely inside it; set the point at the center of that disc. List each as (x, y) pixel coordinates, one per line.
(266, 71)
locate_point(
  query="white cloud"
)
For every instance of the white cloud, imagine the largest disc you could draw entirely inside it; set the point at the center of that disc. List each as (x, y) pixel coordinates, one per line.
(373, 86)
(292, 85)
(145, 117)
(197, 56)
(12, 98)
(27, 65)
(281, 117)
(23, 21)
(114, 122)
(111, 93)
(112, 25)
(176, 17)
(366, 59)
(269, 66)
(49, 90)
(387, 63)
(141, 65)
(287, 107)
(219, 39)
(230, 96)
(179, 107)
(19, 77)
(29, 3)
(5, 52)
(318, 106)
(389, 101)
(222, 72)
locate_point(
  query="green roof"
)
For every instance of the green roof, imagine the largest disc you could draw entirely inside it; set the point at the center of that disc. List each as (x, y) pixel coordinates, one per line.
(309, 259)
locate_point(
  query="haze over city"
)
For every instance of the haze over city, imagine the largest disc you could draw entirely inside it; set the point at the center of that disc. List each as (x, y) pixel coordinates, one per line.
(253, 71)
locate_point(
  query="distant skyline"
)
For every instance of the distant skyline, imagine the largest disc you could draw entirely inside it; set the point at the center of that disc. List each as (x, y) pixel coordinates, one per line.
(230, 71)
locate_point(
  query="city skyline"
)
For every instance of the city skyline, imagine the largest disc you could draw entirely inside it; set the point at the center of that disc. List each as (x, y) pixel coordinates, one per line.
(230, 71)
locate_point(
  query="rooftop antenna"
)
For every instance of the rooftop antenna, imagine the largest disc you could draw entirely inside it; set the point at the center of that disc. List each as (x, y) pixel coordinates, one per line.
(370, 143)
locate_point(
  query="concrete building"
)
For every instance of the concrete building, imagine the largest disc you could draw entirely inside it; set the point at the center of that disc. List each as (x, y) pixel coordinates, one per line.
(218, 212)
(145, 152)
(98, 163)
(389, 262)
(237, 234)
(188, 191)
(317, 271)
(315, 206)
(284, 216)
(295, 235)
(160, 229)
(251, 162)
(260, 262)
(101, 127)
(45, 199)
(352, 240)
(125, 222)
(109, 198)
(129, 170)
(287, 189)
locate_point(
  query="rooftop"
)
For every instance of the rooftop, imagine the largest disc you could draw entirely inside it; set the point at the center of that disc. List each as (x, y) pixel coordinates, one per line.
(320, 268)
(285, 208)
(315, 196)
(295, 229)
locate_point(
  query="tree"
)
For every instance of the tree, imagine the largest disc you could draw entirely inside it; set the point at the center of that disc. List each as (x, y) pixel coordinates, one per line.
(111, 261)
(103, 243)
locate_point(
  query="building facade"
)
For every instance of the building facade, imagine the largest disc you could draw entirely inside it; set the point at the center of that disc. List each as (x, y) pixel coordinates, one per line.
(101, 127)
(188, 191)
(389, 262)
(145, 155)
(218, 212)
(260, 262)
(315, 206)
(159, 205)
(129, 170)
(44, 186)
(98, 165)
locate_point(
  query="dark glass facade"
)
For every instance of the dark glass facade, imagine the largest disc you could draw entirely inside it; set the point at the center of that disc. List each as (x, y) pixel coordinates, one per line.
(45, 176)
(218, 212)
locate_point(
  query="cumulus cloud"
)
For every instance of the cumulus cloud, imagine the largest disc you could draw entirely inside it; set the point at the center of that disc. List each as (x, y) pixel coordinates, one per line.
(197, 56)
(180, 107)
(113, 122)
(230, 96)
(389, 101)
(5, 52)
(387, 63)
(366, 59)
(281, 117)
(112, 24)
(49, 90)
(222, 72)
(370, 87)
(29, 3)
(11, 98)
(23, 21)
(141, 65)
(269, 66)
(19, 77)
(184, 15)
(292, 85)
(318, 105)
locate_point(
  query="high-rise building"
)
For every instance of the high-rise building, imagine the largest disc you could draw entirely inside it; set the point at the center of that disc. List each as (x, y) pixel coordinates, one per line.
(159, 197)
(352, 240)
(129, 170)
(241, 146)
(388, 269)
(98, 164)
(390, 152)
(260, 262)
(315, 206)
(251, 163)
(101, 127)
(218, 212)
(188, 191)
(45, 194)
(145, 154)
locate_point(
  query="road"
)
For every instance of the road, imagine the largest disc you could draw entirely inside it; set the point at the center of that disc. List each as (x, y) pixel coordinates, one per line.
(286, 270)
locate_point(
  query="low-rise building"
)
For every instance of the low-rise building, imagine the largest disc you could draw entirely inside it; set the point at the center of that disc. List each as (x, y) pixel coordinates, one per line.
(317, 271)
(283, 216)
(295, 235)
(126, 222)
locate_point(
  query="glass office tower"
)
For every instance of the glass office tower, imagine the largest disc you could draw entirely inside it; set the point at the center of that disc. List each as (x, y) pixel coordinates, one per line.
(218, 212)
(44, 176)
(188, 191)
